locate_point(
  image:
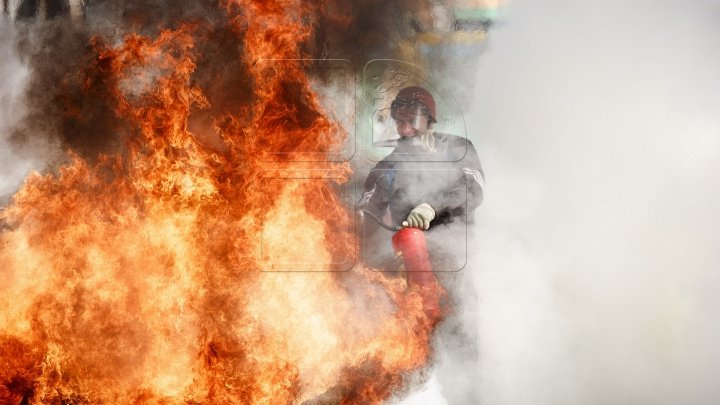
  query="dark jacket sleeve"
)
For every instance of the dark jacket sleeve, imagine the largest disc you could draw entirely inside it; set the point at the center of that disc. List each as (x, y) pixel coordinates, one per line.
(375, 247)
(374, 199)
(464, 192)
(474, 176)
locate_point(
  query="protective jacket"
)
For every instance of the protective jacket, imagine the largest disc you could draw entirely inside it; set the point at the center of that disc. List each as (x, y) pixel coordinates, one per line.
(449, 178)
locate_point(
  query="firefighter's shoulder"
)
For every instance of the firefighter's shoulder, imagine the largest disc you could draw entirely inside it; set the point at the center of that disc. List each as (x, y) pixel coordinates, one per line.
(452, 141)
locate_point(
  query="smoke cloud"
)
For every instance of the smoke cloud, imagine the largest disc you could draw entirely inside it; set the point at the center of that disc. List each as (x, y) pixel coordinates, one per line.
(596, 247)
(15, 163)
(595, 250)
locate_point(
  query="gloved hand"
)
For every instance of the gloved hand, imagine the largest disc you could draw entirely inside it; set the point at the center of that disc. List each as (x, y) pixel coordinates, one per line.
(420, 217)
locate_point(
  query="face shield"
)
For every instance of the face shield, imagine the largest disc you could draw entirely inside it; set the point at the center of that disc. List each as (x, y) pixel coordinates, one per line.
(411, 117)
(413, 123)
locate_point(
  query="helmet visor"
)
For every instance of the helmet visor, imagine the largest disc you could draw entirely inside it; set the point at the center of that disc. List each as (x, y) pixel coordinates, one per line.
(414, 114)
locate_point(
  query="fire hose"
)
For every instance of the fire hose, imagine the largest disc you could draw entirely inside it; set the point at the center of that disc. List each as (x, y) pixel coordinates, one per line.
(409, 244)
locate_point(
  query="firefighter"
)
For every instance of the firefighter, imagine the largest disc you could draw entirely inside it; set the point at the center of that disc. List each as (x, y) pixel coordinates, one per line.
(430, 179)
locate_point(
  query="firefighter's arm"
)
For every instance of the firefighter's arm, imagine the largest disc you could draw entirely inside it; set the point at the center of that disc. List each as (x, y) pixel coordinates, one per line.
(463, 196)
(373, 200)
(474, 176)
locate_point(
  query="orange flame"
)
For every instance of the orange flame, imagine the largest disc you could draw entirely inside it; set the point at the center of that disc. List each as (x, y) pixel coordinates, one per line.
(138, 278)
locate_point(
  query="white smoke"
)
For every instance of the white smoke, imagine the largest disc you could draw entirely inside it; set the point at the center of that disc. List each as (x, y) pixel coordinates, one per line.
(14, 74)
(15, 161)
(597, 245)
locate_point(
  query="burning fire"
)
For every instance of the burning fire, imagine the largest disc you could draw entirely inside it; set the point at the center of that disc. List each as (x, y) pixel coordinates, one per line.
(141, 277)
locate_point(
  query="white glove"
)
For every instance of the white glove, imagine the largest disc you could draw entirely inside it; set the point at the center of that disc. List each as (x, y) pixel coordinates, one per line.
(420, 217)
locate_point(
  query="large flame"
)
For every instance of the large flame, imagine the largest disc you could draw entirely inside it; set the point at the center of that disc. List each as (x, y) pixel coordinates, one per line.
(143, 276)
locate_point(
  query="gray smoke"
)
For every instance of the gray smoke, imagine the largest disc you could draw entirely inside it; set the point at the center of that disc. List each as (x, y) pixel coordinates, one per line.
(595, 251)
(596, 254)
(15, 163)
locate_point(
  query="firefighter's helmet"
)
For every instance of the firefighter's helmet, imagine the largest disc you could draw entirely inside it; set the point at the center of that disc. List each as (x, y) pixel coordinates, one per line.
(414, 100)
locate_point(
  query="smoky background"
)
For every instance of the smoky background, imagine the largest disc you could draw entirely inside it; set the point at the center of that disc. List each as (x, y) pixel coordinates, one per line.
(595, 251)
(16, 161)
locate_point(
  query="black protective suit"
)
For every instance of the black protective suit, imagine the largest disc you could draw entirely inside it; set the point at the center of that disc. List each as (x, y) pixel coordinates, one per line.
(449, 179)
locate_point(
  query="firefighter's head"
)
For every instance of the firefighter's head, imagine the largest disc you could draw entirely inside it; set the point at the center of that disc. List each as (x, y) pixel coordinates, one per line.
(413, 111)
